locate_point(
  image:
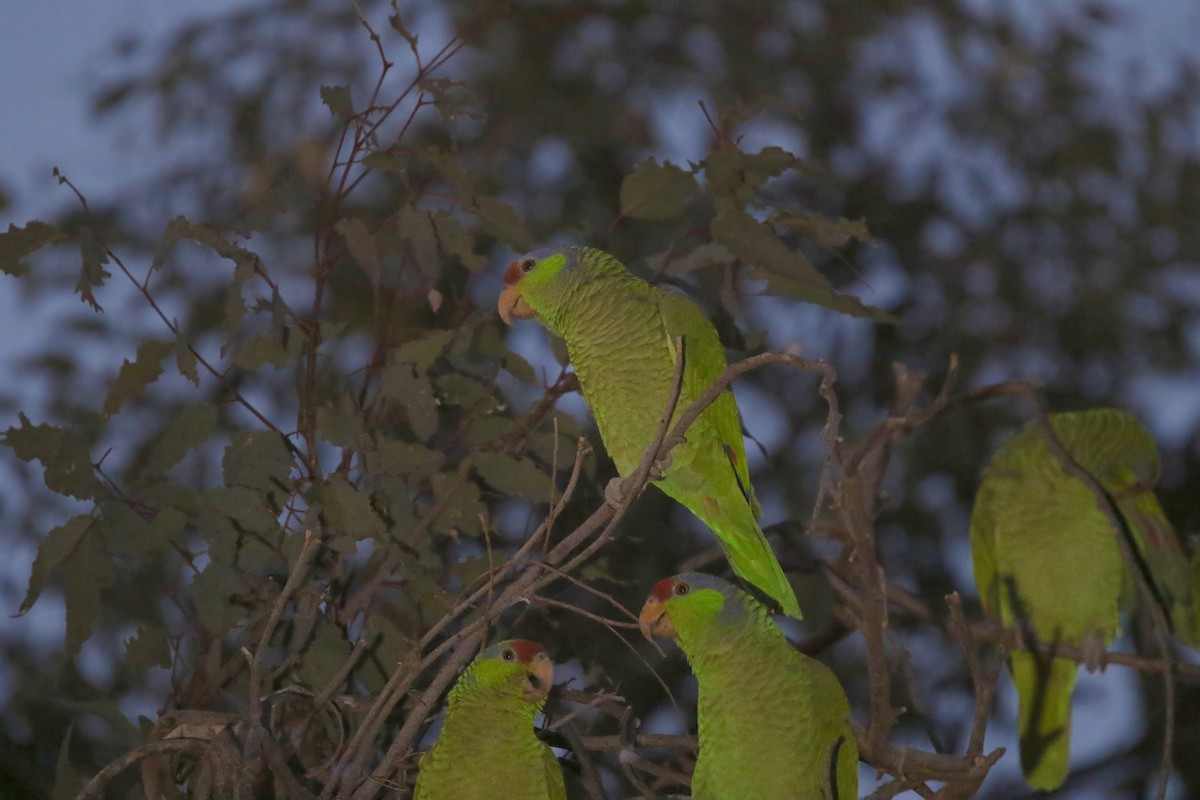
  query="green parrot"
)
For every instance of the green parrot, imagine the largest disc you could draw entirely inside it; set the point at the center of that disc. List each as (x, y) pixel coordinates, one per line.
(621, 334)
(1045, 554)
(487, 748)
(773, 722)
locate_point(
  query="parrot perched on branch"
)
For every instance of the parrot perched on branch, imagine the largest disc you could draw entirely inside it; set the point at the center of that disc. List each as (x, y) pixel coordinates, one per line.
(622, 335)
(773, 722)
(1046, 556)
(487, 748)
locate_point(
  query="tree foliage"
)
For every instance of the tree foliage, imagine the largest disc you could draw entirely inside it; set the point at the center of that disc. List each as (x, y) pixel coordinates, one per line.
(293, 470)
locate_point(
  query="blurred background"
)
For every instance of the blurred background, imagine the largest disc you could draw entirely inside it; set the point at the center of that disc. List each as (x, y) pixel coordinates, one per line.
(1029, 172)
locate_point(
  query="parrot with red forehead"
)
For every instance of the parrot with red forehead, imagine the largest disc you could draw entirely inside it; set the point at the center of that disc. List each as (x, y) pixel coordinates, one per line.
(487, 748)
(1046, 556)
(622, 335)
(773, 722)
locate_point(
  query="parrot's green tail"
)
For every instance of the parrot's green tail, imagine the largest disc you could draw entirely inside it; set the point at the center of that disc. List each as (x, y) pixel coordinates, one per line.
(1044, 686)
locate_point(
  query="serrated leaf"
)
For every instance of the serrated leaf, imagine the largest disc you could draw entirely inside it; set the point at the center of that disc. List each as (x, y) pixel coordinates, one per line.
(361, 246)
(702, 257)
(212, 591)
(514, 476)
(424, 350)
(337, 100)
(247, 508)
(149, 648)
(460, 390)
(831, 232)
(415, 393)
(61, 451)
(323, 656)
(278, 346)
(134, 376)
(404, 458)
(349, 511)
(87, 572)
(259, 460)
(657, 191)
(53, 550)
(420, 237)
(459, 501)
(126, 532)
(340, 423)
(92, 273)
(17, 243)
(187, 363)
(737, 176)
(399, 27)
(456, 240)
(212, 237)
(190, 427)
(500, 219)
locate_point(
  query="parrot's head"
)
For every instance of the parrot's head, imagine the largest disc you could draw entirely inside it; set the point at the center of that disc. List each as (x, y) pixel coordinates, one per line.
(530, 280)
(685, 601)
(516, 666)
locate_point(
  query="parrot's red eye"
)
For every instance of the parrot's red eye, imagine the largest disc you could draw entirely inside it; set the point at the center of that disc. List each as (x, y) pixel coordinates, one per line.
(508, 655)
(527, 265)
(682, 589)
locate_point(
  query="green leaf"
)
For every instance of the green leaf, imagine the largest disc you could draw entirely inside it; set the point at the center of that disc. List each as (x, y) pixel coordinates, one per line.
(87, 572)
(394, 458)
(460, 390)
(702, 257)
(417, 230)
(190, 427)
(126, 532)
(148, 649)
(278, 346)
(361, 246)
(456, 240)
(17, 243)
(134, 376)
(516, 365)
(92, 273)
(462, 511)
(499, 218)
(59, 543)
(62, 452)
(657, 191)
(828, 232)
(737, 176)
(212, 592)
(67, 783)
(248, 509)
(786, 271)
(514, 476)
(337, 100)
(422, 351)
(323, 656)
(340, 422)
(415, 393)
(349, 511)
(187, 363)
(257, 459)
(212, 237)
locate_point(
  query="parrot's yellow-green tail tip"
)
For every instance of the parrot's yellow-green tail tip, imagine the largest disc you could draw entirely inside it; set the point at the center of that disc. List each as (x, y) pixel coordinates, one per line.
(1044, 688)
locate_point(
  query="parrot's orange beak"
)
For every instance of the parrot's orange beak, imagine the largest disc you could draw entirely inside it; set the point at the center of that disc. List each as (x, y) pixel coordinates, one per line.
(512, 304)
(655, 621)
(540, 678)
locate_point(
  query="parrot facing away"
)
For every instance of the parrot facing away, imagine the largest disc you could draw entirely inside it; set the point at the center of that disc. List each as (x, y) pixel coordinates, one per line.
(487, 748)
(773, 722)
(622, 335)
(1047, 556)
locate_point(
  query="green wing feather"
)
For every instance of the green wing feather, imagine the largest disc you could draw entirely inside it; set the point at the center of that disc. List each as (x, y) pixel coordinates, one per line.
(1046, 554)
